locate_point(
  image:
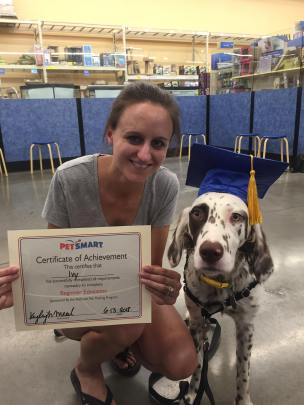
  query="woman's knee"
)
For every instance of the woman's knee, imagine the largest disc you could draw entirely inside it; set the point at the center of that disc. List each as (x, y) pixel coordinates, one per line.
(120, 336)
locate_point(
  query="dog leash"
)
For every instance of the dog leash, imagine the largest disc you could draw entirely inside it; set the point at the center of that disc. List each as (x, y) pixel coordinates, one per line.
(209, 350)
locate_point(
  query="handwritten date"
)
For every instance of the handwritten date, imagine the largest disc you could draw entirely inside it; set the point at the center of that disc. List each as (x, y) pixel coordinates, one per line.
(116, 310)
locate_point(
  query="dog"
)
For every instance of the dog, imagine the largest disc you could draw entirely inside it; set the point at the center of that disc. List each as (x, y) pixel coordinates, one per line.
(221, 246)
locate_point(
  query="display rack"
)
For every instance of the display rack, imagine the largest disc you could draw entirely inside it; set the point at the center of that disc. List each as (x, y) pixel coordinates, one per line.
(31, 34)
(173, 59)
(38, 41)
(60, 52)
(268, 62)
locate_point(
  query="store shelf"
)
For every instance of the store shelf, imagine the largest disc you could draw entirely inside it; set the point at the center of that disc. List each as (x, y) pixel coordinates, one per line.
(163, 77)
(164, 34)
(20, 67)
(58, 27)
(79, 67)
(81, 29)
(109, 39)
(19, 25)
(186, 36)
(215, 37)
(266, 73)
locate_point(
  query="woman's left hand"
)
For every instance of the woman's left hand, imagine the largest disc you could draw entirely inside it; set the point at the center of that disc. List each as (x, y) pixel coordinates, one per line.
(163, 284)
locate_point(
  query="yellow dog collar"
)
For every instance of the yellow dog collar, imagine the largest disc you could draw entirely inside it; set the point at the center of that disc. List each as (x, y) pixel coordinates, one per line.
(213, 283)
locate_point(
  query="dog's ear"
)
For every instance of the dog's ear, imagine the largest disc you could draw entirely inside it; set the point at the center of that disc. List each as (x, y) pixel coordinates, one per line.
(257, 254)
(181, 238)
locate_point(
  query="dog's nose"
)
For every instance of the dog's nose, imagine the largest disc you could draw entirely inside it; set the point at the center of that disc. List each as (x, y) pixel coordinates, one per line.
(211, 252)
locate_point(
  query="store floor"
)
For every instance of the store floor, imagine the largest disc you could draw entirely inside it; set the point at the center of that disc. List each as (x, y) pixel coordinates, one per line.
(34, 368)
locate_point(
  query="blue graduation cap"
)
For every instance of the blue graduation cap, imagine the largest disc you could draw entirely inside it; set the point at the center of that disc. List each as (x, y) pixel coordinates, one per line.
(220, 170)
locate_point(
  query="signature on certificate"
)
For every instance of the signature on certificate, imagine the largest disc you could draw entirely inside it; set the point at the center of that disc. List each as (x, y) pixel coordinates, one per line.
(48, 314)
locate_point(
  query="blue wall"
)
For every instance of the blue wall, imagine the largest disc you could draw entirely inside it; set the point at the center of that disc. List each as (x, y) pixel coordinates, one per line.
(301, 133)
(274, 114)
(26, 121)
(229, 116)
(193, 114)
(94, 114)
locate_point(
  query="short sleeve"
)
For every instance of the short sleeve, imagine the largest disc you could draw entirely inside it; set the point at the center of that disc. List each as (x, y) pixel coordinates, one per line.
(55, 208)
(166, 191)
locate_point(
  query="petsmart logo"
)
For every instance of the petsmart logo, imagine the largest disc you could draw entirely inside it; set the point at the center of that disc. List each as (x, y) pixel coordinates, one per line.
(75, 245)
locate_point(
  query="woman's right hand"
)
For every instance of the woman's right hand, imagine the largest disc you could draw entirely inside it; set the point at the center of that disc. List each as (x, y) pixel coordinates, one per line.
(7, 276)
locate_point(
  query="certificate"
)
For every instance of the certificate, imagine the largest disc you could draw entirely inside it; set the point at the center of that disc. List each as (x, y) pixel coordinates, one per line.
(80, 277)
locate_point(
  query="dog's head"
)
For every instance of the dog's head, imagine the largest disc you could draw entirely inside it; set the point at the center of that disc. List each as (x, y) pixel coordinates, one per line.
(217, 231)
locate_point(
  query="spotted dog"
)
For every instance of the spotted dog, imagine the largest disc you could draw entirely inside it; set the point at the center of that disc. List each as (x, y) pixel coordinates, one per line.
(222, 246)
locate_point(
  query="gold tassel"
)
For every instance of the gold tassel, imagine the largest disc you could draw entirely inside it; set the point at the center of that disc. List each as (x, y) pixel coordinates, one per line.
(255, 215)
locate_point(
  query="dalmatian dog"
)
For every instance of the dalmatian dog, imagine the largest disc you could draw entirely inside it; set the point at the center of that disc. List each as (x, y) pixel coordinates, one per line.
(221, 246)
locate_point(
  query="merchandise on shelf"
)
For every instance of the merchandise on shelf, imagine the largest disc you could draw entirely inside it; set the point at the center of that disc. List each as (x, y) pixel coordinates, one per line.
(38, 55)
(204, 83)
(74, 55)
(133, 67)
(298, 36)
(26, 60)
(243, 60)
(47, 58)
(53, 52)
(221, 60)
(157, 69)
(271, 44)
(87, 55)
(290, 60)
(7, 9)
(167, 70)
(107, 59)
(148, 65)
(120, 61)
(264, 64)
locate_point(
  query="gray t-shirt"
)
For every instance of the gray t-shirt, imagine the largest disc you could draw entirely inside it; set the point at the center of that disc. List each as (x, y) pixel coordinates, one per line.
(73, 199)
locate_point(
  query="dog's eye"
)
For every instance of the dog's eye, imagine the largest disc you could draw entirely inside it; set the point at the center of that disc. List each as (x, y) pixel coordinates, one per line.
(197, 214)
(235, 217)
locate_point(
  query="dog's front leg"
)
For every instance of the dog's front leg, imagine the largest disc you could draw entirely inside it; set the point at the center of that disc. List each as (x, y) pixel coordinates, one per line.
(197, 330)
(244, 336)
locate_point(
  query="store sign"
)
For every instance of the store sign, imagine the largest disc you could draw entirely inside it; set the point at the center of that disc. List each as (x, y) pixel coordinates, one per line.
(226, 44)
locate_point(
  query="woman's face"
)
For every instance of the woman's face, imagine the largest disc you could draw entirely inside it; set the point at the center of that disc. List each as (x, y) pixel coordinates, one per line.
(140, 140)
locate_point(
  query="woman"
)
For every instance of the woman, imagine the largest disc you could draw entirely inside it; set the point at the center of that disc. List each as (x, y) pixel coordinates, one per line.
(128, 187)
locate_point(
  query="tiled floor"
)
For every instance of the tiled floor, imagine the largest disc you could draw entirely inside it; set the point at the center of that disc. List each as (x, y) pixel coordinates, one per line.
(34, 369)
